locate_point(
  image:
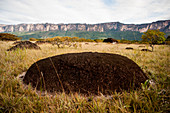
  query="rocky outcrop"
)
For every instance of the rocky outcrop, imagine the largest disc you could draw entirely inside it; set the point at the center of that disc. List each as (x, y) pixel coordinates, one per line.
(115, 26)
(24, 44)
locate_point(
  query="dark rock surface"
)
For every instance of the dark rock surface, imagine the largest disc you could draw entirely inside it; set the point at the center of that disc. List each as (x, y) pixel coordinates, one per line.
(129, 48)
(146, 50)
(110, 40)
(85, 73)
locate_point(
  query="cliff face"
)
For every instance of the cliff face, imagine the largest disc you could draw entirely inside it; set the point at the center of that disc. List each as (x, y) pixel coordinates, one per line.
(116, 26)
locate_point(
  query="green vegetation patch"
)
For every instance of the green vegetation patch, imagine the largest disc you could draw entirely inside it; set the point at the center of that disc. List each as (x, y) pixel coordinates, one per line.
(128, 35)
(8, 37)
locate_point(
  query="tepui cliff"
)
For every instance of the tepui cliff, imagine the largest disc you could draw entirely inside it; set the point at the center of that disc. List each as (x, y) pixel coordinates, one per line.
(101, 27)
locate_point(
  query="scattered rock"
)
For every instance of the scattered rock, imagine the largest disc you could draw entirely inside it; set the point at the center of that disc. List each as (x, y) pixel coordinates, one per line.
(146, 50)
(129, 48)
(141, 46)
(85, 73)
(110, 40)
(24, 44)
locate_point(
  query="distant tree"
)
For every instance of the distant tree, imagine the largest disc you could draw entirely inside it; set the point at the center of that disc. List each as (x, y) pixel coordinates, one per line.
(153, 37)
(8, 37)
(98, 40)
(39, 39)
(74, 39)
(168, 38)
(124, 41)
(167, 41)
(81, 40)
(33, 39)
(89, 40)
(66, 38)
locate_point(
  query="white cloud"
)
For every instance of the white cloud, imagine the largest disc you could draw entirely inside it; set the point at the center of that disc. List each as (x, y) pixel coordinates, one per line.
(83, 11)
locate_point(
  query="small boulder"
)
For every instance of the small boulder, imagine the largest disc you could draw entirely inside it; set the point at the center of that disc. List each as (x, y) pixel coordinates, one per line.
(141, 46)
(110, 40)
(24, 44)
(146, 50)
(129, 48)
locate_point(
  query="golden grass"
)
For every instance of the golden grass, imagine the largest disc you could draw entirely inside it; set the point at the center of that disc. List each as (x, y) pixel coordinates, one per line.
(14, 97)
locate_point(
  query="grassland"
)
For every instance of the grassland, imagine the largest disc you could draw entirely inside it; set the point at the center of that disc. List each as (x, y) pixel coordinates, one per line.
(15, 97)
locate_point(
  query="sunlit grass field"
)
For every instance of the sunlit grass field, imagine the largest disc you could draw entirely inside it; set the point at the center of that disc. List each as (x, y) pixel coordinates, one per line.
(16, 97)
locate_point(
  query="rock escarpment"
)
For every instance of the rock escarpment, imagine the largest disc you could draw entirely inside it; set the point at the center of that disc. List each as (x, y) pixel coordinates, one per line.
(116, 26)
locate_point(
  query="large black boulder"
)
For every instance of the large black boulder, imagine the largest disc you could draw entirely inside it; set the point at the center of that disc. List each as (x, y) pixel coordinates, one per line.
(86, 73)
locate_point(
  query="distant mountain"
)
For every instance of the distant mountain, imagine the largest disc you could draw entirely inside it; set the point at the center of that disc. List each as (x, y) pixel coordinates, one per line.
(101, 27)
(128, 35)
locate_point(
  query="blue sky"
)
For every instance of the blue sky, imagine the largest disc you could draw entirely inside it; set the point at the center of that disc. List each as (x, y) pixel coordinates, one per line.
(83, 11)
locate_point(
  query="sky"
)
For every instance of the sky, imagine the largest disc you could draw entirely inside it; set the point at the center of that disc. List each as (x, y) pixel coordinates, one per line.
(83, 11)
